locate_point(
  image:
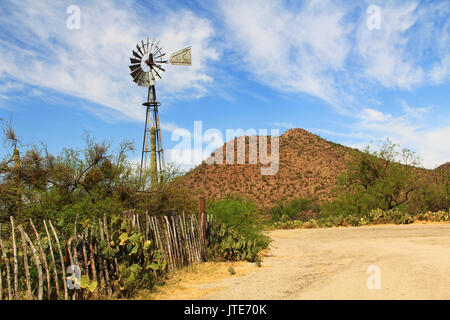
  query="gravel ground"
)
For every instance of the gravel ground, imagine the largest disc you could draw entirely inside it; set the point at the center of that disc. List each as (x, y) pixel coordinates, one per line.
(414, 261)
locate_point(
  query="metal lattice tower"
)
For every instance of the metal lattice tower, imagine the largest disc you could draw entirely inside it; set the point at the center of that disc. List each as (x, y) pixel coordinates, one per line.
(146, 69)
(152, 115)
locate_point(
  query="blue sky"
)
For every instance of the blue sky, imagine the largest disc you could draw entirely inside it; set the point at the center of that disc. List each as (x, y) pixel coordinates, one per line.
(256, 64)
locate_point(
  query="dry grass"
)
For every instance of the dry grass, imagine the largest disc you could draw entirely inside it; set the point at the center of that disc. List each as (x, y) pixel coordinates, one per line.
(195, 281)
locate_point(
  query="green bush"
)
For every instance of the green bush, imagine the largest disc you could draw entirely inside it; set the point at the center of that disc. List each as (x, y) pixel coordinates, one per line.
(286, 223)
(376, 216)
(374, 179)
(300, 208)
(379, 216)
(437, 216)
(432, 196)
(236, 230)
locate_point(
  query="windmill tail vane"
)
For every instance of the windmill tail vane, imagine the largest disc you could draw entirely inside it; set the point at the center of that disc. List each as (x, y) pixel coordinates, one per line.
(146, 68)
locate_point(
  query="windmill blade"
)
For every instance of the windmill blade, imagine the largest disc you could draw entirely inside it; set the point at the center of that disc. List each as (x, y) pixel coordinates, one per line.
(148, 43)
(136, 73)
(133, 61)
(140, 83)
(145, 77)
(139, 49)
(157, 51)
(151, 77)
(161, 55)
(143, 80)
(143, 45)
(156, 75)
(182, 57)
(151, 47)
(137, 55)
(159, 67)
(138, 79)
(134, 67)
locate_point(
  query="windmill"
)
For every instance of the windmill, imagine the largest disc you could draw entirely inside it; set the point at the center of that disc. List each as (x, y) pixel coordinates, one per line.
(146, 68)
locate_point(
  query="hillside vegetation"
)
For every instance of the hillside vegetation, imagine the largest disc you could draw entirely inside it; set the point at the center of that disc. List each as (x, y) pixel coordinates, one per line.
(309, 167)
(328, 175)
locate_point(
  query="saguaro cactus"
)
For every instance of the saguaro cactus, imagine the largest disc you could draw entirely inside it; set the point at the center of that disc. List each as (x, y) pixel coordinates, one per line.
(17, 182)
(153, 169)
(16, 158)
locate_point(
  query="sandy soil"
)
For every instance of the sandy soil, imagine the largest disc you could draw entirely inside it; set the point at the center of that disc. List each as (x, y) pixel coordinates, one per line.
(414, 261)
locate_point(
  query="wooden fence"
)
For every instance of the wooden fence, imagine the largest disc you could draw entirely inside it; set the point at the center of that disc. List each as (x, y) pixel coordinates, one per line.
(35, 256)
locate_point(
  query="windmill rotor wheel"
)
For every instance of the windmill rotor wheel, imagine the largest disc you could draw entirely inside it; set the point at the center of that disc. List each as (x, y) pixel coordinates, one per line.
(146, 63)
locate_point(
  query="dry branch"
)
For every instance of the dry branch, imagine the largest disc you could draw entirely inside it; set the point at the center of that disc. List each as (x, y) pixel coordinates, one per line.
(5, 258)
(25, 263)
(55, 272)
(44, 259)
(63, 271)
(38, 265)
(16, 265)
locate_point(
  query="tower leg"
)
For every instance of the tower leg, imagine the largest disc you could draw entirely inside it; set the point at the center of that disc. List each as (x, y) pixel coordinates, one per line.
(145, 150)
(157, 160)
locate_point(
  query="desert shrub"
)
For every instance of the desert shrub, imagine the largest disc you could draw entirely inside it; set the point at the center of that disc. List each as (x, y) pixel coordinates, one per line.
(385, 179)
(396, 216)
(236, 232)
(436, 216)
(286, 223)
(310, 224)
(376, 216)
(300, 208)
(431, 196)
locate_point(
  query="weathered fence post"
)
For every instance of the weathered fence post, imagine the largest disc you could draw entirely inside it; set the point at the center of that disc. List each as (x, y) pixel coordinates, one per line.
(202, 219)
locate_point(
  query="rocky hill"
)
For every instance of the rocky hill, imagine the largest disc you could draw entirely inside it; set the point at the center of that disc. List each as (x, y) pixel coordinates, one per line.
(443, 167)
(309, 167)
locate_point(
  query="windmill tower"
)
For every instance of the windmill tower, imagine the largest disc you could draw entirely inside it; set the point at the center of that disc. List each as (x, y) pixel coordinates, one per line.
(146, 68)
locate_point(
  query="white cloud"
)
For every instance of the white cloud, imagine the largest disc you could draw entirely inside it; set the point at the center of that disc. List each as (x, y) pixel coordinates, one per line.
(410, 48)
(372, 115)
(92, 63)
(325, 49)
(352, 135)
(385, 51)
(290, 49)
(169, 126)
(434, 146)
(429, 142)
(286, 125)
(186, 158)
(441, 70)
(414, 112)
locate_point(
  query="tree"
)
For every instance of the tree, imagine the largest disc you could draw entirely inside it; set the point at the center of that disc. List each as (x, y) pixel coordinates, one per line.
(10, 167)
(82, 184)
(434, 192)
(383, 178)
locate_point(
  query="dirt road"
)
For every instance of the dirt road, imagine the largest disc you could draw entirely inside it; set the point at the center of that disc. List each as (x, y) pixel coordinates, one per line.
(414, 263)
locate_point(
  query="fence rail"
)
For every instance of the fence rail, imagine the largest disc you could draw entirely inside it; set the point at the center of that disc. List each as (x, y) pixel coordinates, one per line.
(36, 259)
